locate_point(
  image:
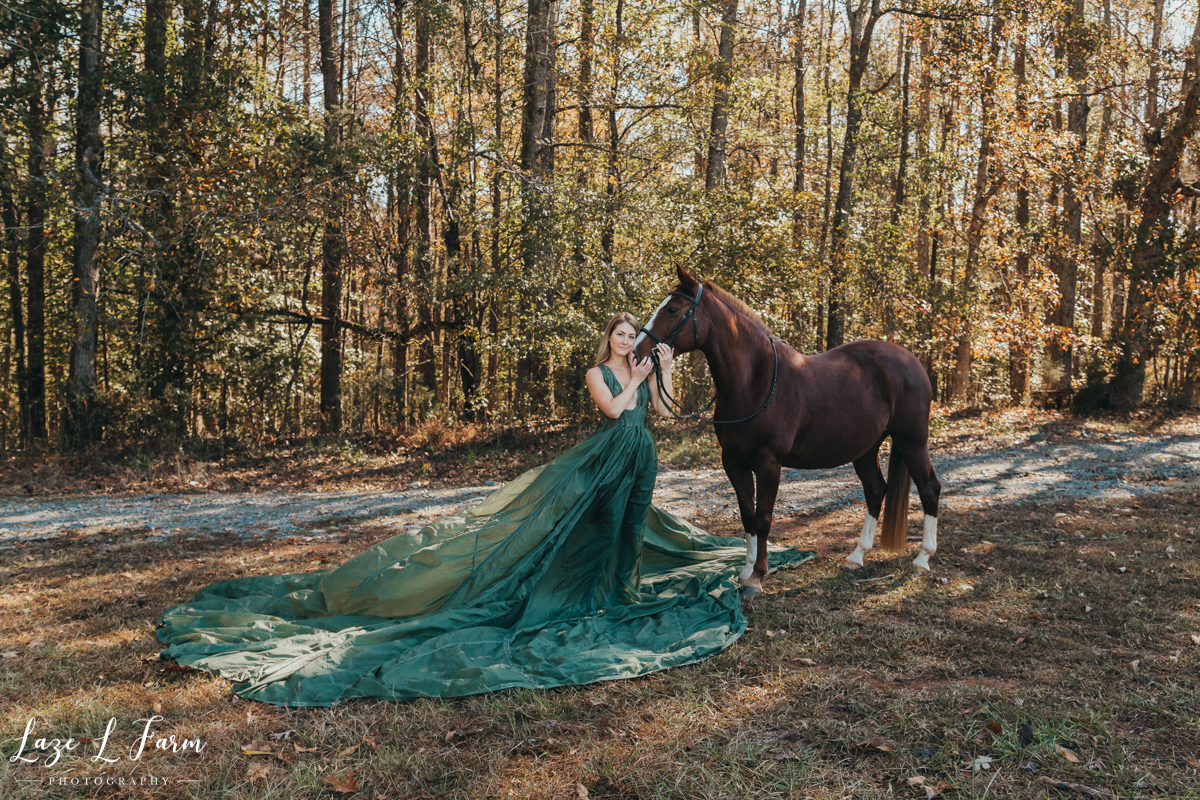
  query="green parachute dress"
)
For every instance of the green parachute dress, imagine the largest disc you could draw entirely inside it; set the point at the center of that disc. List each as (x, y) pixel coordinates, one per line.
(567, 575)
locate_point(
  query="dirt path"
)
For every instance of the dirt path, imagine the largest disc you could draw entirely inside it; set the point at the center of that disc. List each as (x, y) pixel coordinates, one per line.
(1035, 470)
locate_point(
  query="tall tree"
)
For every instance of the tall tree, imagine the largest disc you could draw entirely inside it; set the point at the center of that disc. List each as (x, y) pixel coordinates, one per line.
(1065, 260)
(41, 146)
(427, 160)
(714, 173)
(12, 246)
(89, 153)
(537, 163)
(863, 16)
(332, 236)
(924, 129)
(1019, 350)
(1157, 191)
(988, 182)
(799, 9)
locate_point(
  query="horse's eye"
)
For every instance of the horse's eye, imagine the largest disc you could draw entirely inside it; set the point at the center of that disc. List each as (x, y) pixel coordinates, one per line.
(672, 311)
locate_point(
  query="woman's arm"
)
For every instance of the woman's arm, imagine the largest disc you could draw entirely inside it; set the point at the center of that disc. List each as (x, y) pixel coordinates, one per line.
(614, 406)
(665, 356)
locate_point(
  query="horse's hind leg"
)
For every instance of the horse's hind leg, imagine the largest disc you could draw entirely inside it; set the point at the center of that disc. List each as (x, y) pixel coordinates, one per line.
(929, 489)
(874, 489)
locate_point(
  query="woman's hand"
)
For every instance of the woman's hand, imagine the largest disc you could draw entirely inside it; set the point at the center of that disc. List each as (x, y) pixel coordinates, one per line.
(666, 354)
(640, 369)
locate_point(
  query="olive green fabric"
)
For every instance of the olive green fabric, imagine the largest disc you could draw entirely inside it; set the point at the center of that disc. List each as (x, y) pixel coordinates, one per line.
(567, 575)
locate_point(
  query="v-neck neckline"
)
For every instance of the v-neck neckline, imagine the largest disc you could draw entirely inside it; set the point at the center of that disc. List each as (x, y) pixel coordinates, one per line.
(615, 378)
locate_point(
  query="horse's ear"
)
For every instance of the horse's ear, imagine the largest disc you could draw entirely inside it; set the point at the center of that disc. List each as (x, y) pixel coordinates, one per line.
(687, 278)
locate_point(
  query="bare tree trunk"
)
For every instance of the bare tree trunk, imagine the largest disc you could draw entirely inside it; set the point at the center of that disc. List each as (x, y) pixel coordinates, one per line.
(493, 368)
(426, 164)
(798, 101)
(537, 121)
(714, 174)
(924, 277)
(862, 27)
(1018, 366)
(899, 195)
(828, 204)
(35, 215)
(587, 40)
(1099, 248)
(401, 221)
(612, 186)
(988, 182)
(89, 152)
(12, 244)
(1065, 263)
(332, 236)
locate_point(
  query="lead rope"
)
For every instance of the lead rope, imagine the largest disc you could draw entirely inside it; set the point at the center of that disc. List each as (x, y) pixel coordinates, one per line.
(672, 403)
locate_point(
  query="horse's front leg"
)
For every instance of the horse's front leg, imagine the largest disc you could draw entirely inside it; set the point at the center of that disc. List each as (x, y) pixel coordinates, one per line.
(767, 483)
(874, 490)
(742, 480)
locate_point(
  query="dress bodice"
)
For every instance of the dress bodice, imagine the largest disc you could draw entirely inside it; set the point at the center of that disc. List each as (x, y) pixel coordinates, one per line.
(632, 416)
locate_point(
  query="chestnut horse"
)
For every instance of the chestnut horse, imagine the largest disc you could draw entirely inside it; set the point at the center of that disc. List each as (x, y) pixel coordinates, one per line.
(778, 408)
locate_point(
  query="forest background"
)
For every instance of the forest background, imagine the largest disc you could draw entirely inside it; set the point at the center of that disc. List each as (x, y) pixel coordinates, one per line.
(264, 218)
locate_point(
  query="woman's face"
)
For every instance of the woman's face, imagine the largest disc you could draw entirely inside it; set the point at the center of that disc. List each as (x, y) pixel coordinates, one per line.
(622, 338)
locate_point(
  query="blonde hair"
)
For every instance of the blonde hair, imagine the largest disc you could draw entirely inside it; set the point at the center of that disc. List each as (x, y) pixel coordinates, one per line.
(604, 351)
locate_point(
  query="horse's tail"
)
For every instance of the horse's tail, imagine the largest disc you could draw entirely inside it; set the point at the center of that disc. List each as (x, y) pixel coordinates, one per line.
(892, 537)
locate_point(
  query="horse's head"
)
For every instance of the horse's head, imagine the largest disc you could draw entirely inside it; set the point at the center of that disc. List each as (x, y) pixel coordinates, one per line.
(677, 320)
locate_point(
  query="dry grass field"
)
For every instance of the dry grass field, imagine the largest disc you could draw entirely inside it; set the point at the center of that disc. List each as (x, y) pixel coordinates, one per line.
(1053, 653)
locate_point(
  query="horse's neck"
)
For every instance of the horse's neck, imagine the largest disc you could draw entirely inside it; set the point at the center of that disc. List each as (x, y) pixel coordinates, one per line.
(736, 353)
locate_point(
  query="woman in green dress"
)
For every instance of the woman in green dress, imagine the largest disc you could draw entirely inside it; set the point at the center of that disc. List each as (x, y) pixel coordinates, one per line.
(567, 575)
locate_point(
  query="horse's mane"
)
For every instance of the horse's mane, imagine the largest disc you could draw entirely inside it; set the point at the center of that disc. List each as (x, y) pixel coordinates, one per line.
(740, 307)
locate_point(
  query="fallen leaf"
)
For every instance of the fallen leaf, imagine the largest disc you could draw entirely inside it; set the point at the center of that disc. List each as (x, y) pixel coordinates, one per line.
(1069, 755)
(300, 749)
(282, 735)
(874, 743)
(257, 749)
(347, 784)
(581, 791)
(462, 734)
(806, 662)
(258, 770)
(157, 706)
(1195, 638)
(936, 790)
(371, 742)
(916, 780)
(981, 762)
(10, 654)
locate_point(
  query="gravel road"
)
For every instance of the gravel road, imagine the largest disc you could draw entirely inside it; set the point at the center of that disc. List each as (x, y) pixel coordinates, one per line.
(1034, 470)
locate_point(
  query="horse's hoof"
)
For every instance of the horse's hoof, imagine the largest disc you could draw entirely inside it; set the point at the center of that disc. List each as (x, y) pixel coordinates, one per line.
(750, 591)
(850, 565)
(921, 564)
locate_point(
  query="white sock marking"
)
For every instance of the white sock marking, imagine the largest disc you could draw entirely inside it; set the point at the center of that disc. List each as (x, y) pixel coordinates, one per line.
(928, 544)
(751, 557)
(865, 543)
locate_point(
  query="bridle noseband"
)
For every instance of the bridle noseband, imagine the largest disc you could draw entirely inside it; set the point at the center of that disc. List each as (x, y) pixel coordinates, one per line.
(691, 312)
(671, 403)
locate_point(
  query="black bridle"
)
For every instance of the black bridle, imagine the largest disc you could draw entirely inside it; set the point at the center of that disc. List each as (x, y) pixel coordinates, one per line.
(670, 402)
